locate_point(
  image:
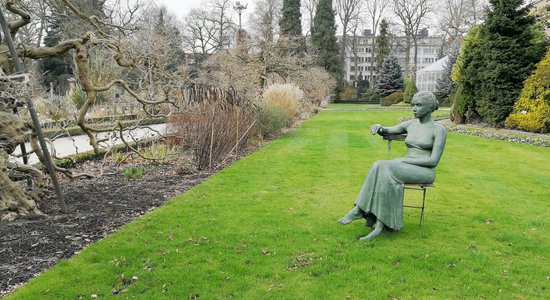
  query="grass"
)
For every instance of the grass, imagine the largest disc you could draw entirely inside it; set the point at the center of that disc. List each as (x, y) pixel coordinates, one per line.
(265, 228)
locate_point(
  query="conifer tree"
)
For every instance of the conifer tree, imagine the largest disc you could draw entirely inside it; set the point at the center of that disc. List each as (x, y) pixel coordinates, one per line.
(510, 46)
(55, 68)
(382, 44)
(444, 86)
(291, 40)
(390, 78)
(291, 23)
(323, 38)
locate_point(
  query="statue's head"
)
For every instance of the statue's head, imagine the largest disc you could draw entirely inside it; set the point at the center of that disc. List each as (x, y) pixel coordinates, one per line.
(428, 98)
(12, 131)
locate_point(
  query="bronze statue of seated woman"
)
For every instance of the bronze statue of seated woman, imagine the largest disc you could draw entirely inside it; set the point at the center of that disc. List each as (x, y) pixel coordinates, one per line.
(380, 200)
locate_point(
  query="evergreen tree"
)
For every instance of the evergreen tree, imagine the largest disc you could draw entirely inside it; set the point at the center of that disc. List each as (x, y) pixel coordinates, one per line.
(510, 46)
(291, 23)
(390, 78)
(55, 69)
(445, 86)
(291, 40)
(323, 38)
(382, 44)
(410, 89)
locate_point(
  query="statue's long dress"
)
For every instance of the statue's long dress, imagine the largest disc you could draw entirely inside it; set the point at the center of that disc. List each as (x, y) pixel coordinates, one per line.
(382, 190)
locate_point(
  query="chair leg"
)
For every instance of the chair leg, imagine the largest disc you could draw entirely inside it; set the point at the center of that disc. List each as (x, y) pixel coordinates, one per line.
(423, 201)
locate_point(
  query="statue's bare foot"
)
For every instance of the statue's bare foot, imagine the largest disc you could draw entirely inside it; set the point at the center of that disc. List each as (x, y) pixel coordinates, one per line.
(354, 214)
(378, 228)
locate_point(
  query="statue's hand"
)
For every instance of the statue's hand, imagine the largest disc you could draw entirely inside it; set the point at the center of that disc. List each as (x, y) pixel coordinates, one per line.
(375, 128)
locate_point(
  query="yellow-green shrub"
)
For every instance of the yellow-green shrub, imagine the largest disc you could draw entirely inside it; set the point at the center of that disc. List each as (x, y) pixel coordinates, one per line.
(532, 109)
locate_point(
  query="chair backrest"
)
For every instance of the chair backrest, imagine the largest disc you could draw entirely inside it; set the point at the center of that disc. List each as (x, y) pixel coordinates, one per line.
(393, 137)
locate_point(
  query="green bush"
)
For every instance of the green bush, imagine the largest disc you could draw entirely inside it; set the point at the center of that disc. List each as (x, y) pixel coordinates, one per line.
(371, 95)
(410, 89)
(272, 118)
(532, 109)
(392, 98)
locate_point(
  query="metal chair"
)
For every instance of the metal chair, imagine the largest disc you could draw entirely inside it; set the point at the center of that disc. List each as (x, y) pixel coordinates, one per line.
(409, 186)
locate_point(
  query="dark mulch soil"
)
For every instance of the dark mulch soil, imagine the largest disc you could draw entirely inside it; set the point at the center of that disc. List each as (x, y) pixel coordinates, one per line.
(97, 207)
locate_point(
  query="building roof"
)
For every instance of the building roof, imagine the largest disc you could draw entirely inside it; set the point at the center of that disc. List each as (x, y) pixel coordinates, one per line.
(438, 65)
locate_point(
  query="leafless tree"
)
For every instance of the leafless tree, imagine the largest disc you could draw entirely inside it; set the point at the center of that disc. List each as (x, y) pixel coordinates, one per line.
(347, 10)
(376, 10)
(353, 47)
(456, 17)
(199, 34)
(265, 19)
(221, 16)
(127, 47)
(412, 14)
(309, 7)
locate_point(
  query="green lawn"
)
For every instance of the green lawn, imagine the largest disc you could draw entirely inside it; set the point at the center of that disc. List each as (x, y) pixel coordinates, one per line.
(266, 228)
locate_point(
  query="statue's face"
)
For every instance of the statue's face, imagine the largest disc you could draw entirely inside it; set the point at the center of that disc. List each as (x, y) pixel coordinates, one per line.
(421, 107)
(12, 131)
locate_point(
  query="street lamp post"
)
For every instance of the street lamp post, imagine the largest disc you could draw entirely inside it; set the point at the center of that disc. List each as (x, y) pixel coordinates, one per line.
(239, 8)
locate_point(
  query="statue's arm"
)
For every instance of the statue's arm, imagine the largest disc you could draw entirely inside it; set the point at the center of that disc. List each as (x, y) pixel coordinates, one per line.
(397, 129)
(437, 151)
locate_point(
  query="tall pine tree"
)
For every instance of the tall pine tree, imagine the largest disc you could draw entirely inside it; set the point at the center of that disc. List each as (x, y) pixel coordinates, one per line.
(509, 46)
(323, 38)
(382, 44)
(290, 25)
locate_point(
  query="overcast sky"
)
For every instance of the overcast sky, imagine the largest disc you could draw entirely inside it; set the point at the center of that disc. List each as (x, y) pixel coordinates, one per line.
(180, 8)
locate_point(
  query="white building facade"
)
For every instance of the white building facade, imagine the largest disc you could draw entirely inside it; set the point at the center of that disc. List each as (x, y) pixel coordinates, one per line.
(360, 49)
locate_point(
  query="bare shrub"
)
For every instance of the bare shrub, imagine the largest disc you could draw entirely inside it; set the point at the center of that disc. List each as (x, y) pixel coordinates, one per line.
(287, 96)
(317, 85)
(213, 131)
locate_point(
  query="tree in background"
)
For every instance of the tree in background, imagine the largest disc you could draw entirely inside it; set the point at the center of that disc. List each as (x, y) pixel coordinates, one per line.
(290, 22)
(390, 78)
(324, 41)
(382, 44)
(532, 110)
(445, 86)
(375, 10)
(348, 12)
(457, 16)
(310, 6)
(463, 105)
(410, 89)
(412, 14)
(493, 71)
(55, 69)
(290, 26)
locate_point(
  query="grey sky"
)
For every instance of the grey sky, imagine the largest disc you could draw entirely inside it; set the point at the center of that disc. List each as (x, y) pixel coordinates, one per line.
(180, 8)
